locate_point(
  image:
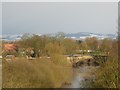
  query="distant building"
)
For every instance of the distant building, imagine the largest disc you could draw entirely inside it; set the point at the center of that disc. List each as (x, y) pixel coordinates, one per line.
(30, 53)
(82, 51)
(10, 47)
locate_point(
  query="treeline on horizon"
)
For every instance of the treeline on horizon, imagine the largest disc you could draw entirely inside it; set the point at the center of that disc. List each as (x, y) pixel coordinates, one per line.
(43, 45)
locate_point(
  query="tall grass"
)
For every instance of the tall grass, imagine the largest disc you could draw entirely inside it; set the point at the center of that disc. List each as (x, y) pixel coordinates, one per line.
(106, 75)
(40, 73)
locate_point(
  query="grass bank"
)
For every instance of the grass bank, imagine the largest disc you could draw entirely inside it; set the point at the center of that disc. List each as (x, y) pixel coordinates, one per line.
(39, 73)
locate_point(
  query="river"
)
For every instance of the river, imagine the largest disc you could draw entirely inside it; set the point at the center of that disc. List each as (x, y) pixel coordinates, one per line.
(81, 76)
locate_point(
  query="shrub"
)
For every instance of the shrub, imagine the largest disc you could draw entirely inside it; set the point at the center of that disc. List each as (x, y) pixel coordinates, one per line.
(107, 75)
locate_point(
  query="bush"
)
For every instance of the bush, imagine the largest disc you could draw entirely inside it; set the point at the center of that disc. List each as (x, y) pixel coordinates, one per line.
(107, 75)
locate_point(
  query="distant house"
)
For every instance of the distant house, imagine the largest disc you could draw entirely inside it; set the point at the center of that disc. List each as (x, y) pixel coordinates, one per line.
(10, 47)
(10, 57)
(30, 53)
(90, 51)
(82, 51)
(74, 56)
(0, 56)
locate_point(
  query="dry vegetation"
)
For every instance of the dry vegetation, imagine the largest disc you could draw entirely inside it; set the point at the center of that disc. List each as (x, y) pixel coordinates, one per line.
(38, 73)
(107, 75)
(51, 73)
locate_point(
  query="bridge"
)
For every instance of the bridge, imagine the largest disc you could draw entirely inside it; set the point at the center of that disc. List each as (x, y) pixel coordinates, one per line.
(94, 61)
(102, 57)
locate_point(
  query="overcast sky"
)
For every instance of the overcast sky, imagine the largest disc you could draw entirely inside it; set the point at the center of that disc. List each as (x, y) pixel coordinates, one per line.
(46, 17)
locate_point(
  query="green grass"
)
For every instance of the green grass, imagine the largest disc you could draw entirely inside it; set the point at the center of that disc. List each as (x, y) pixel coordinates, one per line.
(40, 73)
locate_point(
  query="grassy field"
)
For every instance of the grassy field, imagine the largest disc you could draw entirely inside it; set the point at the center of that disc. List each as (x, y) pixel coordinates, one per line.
(39, 73)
